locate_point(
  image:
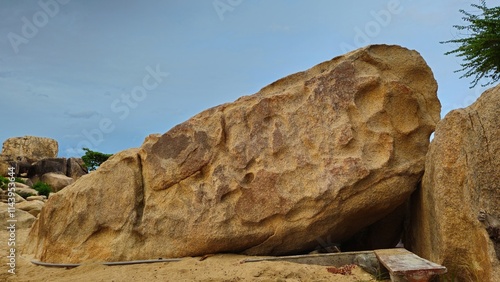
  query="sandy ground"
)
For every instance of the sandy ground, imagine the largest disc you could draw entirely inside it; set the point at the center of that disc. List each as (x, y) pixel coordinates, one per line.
(224, 267)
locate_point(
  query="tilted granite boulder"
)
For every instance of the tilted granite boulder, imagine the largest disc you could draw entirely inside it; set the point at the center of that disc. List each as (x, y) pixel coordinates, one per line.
(461, 180)
(324, 152)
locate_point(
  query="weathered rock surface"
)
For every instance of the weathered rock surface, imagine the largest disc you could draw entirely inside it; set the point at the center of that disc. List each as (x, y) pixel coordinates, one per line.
(29, 148)
(33, 207)
(321, 153)
(56, 181)
(461, 178)
(75, 168)
(42, 198)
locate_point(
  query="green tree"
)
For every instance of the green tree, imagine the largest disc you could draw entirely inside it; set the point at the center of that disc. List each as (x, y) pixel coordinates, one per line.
(94, 159)
(481, 49)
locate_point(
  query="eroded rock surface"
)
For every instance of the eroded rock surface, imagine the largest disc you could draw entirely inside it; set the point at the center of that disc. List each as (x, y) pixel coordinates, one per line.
(320, 153)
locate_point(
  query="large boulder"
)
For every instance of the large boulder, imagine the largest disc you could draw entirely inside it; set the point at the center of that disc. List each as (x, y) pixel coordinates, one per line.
(461, 179)
(321, 153)
(29, 148)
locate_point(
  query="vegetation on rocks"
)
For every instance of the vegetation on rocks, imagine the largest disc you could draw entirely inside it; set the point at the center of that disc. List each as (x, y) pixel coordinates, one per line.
(3, 182)
(42, 188)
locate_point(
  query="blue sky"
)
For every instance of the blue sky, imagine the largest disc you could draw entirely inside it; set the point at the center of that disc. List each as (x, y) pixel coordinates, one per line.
(105, 74)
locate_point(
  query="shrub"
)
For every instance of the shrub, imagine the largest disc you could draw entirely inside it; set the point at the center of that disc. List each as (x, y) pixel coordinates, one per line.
(4, 182)
(42, 188)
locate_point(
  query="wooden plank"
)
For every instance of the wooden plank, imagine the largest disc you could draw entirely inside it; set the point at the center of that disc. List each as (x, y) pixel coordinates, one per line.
(330, 259)
(401, 262)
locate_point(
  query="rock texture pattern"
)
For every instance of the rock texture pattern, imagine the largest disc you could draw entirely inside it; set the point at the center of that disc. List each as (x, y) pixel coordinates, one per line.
(29, 148)
(320, 153)
(461, 180)
(32, 207)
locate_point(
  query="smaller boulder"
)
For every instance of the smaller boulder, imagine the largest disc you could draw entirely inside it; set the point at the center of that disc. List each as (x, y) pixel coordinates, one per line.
(32, 207)
(5, 197)
(23, 189)
(76, 168)
(19, 199)
(37, 198)
(57, 181)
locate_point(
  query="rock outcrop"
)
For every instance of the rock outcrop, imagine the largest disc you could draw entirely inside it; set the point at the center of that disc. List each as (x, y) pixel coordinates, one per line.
(29, 148)
(461, 180)
(321, 153)
(35, 156)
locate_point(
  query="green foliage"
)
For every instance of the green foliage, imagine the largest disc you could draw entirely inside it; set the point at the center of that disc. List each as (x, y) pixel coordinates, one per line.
(481, 50)
(94, 159)
(4, 182)
(42, 188)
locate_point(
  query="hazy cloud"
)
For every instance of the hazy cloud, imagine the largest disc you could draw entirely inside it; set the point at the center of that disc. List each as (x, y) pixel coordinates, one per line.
(82, 114)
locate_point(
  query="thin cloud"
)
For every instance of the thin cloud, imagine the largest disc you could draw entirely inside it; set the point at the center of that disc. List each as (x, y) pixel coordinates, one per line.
(82, 114)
